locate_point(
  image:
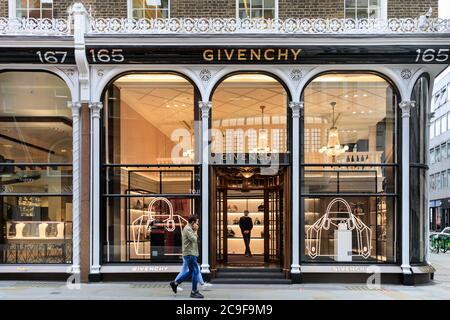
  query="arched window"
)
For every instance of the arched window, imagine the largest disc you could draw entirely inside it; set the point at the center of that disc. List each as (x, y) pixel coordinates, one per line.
(35, 169)
(249, 116)
(349, 168)
(150, 122)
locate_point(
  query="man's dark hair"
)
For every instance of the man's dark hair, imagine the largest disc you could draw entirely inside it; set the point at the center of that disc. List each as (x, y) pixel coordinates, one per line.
(193, 218)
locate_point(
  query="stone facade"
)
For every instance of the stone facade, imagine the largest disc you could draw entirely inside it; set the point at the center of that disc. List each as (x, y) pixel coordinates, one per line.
(227, 8)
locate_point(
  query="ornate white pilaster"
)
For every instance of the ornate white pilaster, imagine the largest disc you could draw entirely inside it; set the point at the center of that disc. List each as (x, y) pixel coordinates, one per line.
(205, 106)
(95, 107)
(405, 106)
(296, 108)
(76, 185)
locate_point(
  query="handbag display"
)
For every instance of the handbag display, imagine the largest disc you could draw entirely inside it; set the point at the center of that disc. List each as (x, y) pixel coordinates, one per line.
(261, 207)
(257, 222)
(230, 233)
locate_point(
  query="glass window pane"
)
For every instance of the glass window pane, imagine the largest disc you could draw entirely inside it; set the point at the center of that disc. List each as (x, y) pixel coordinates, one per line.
(350, 13)
(34, 4)
(257, 4)
(269, 4)
(374, 2)
(244, 14)
(138, 14)
(350, 3)
(257, 13)
(21, 13)
(250, 116)
(35, 121)
(160, 106)
(138, 4)
(269, 14)
(338, 243)
(362, 4)
(361, 13)
(34, 14)
(38, 230)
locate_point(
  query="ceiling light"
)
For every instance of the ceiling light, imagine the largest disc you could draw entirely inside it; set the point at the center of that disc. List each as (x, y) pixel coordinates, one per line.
(354, 112)
(355, 95)
(362, 112)
(346, 96)
(7, 145)
(364, 95)
(63, 150)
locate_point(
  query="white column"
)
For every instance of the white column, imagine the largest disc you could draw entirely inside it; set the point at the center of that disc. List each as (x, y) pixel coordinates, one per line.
(76, 185)
(405, 106)
(95, 186)
(296, 108)
(205, 106)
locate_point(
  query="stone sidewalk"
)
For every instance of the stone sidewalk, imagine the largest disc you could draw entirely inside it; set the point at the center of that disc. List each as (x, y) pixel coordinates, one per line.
(437, 290)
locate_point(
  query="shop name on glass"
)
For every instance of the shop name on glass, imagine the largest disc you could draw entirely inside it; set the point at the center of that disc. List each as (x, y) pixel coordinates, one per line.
(232, 309)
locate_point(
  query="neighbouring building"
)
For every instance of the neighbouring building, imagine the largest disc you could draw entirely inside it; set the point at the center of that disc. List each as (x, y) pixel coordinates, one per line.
(120, 119)
(440, 155)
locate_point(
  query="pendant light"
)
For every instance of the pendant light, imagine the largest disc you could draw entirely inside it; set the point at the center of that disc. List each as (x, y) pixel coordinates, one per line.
(333, 147)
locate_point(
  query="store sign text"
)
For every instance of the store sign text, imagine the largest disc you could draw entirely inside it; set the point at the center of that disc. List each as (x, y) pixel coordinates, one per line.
(243, 54)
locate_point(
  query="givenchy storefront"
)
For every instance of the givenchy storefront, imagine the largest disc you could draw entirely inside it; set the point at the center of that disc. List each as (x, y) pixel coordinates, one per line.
(107, 147)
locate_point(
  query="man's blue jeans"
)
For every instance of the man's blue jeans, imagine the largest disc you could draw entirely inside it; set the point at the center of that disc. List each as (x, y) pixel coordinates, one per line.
(185, 269)
(193, 270)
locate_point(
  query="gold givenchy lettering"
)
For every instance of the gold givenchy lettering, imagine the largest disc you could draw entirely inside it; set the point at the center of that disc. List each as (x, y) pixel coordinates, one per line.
(242, 54)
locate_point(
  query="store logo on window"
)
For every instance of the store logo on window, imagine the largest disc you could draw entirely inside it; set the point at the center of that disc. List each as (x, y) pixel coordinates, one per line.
(343, 233)
(140, 226)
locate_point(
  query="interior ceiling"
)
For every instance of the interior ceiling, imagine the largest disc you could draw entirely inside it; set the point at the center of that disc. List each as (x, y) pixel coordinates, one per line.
(167, 101)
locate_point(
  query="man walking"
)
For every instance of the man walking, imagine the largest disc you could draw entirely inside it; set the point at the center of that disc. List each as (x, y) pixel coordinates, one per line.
(246, 225)
(190, 255)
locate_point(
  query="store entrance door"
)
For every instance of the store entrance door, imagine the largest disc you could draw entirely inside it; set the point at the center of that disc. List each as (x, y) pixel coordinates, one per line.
(249, 217)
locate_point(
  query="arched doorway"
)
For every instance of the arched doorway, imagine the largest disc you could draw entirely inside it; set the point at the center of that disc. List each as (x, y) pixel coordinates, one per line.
(250, 181)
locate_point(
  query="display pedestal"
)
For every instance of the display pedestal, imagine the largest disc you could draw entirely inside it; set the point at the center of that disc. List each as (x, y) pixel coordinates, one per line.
(343, 245)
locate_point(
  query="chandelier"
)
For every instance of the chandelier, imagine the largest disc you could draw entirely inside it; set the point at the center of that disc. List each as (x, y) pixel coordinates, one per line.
(333, 147)
(27, 205)
(263, 137)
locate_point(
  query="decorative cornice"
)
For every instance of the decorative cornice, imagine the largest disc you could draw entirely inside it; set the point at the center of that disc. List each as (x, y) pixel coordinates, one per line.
(205, 106)
(261, 25)
(406, 107)
(96, 107)
(296, 107)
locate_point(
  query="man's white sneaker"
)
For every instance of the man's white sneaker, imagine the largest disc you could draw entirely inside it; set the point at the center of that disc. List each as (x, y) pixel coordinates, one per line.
(180, 288)
(206, 286)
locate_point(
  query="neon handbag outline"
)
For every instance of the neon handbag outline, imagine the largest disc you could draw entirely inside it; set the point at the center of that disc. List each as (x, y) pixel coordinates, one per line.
(363, 232)
(145, 221)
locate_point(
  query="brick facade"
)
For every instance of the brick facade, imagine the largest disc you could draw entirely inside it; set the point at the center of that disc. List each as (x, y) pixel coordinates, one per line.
(411, 8)
(310, 9)
(98, 8)
(203, 8)
(3, 8)
(227, 8)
